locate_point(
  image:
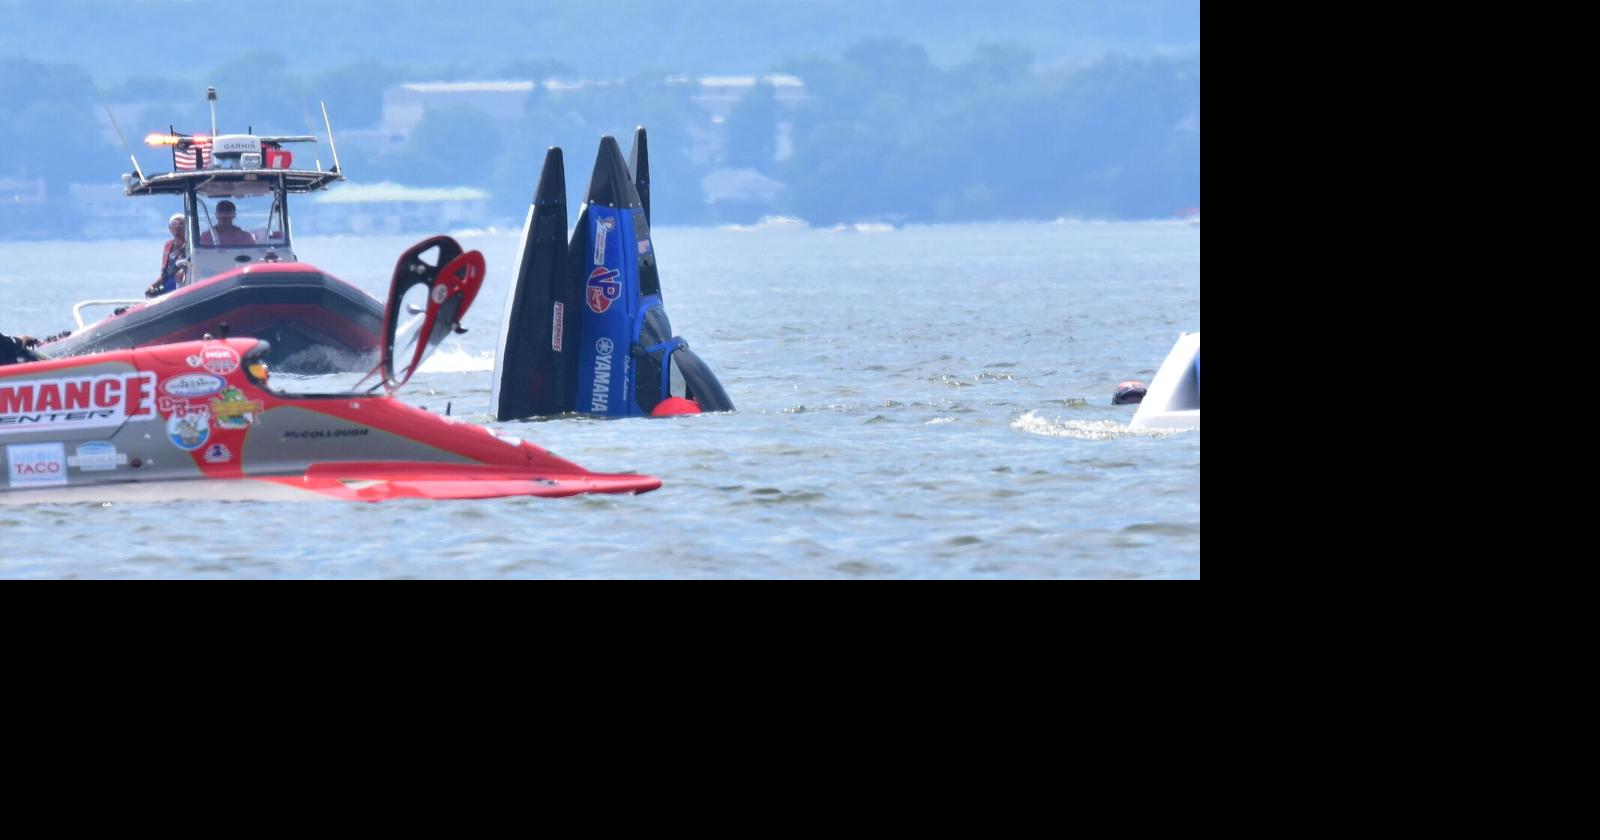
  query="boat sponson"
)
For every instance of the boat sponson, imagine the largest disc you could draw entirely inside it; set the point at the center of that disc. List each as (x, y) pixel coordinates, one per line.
(537, 360)
(639, 165)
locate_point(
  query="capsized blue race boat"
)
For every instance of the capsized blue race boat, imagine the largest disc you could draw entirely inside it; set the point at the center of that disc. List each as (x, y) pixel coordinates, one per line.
(584, 329)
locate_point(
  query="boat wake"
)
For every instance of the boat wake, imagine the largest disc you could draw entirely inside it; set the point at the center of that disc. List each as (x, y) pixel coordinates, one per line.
(492, 230)
(863, 227)
(1034, 424)
(771, 223)
(457, 359)
(320, 360)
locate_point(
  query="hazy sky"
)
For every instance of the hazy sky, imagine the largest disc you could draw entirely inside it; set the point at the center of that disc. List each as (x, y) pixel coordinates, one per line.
(123, 38)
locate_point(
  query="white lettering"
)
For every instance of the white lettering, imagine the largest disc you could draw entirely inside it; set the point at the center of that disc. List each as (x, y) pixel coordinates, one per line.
(600, 398)
(602, 384)
(601, 228)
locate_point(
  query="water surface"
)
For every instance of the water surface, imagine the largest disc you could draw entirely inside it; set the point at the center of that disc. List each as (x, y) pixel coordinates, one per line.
(929, 402)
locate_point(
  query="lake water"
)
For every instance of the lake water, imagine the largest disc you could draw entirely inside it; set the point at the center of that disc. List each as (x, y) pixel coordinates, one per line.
(927, 402)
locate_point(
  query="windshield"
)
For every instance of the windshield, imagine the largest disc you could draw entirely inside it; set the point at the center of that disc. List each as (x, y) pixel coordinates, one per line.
(241, 222)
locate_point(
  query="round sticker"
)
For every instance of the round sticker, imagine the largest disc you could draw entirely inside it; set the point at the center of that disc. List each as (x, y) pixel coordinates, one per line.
(220, 360)
(189, 431)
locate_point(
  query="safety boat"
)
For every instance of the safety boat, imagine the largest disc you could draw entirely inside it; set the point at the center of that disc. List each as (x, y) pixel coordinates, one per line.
(243, 278)
(1173, 399)
(210, 419)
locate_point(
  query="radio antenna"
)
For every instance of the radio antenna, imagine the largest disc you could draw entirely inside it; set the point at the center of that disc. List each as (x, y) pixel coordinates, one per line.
(317, 153)
(211, 96)
(331, 146)
(118, 129)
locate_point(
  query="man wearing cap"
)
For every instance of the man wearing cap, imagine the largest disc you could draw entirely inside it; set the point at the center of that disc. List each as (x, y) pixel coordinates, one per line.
(173, 263)
(1129, 391)
(225, 232)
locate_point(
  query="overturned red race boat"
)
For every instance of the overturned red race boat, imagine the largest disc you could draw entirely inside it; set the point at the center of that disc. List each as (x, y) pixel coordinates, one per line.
(207, 419)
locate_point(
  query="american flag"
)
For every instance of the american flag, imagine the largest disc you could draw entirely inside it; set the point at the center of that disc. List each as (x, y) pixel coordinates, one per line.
(193, 153)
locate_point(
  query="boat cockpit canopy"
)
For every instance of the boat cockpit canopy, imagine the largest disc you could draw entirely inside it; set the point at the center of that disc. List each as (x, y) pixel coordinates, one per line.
(235, 190)
(240, 221)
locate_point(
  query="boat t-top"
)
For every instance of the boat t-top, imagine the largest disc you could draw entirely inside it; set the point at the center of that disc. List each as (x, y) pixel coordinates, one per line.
(253, 175)
(243, 277)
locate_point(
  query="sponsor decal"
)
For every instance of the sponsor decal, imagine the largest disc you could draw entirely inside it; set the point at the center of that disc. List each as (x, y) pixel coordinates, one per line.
(319, 434)
(600, 394)
(644, 247)
(36, 464)
(439, 293)
(171, 405)
(97, 456)
(217, 453)
(74, 403)
(558, 325)
(191, 429)
(221, 360)
(235, 143)
(602, 226)
(233, 411)
(193, 385)
(603, 289)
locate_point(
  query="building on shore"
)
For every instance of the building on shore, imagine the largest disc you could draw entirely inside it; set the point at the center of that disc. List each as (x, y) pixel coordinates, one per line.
(386, 207)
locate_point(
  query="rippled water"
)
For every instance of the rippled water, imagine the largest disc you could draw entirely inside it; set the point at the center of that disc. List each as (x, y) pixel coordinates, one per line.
(931, 402)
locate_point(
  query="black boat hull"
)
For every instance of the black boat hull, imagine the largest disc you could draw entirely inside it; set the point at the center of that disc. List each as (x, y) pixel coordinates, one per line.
(315, 323)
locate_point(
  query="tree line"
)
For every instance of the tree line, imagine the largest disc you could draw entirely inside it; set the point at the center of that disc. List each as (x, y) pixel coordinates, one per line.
(882, 132)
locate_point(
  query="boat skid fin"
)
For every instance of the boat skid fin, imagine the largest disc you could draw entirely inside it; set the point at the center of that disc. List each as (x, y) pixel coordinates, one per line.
(536, 362)
(639, 167)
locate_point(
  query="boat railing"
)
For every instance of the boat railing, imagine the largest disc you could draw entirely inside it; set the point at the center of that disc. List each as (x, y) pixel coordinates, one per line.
(77, 309)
